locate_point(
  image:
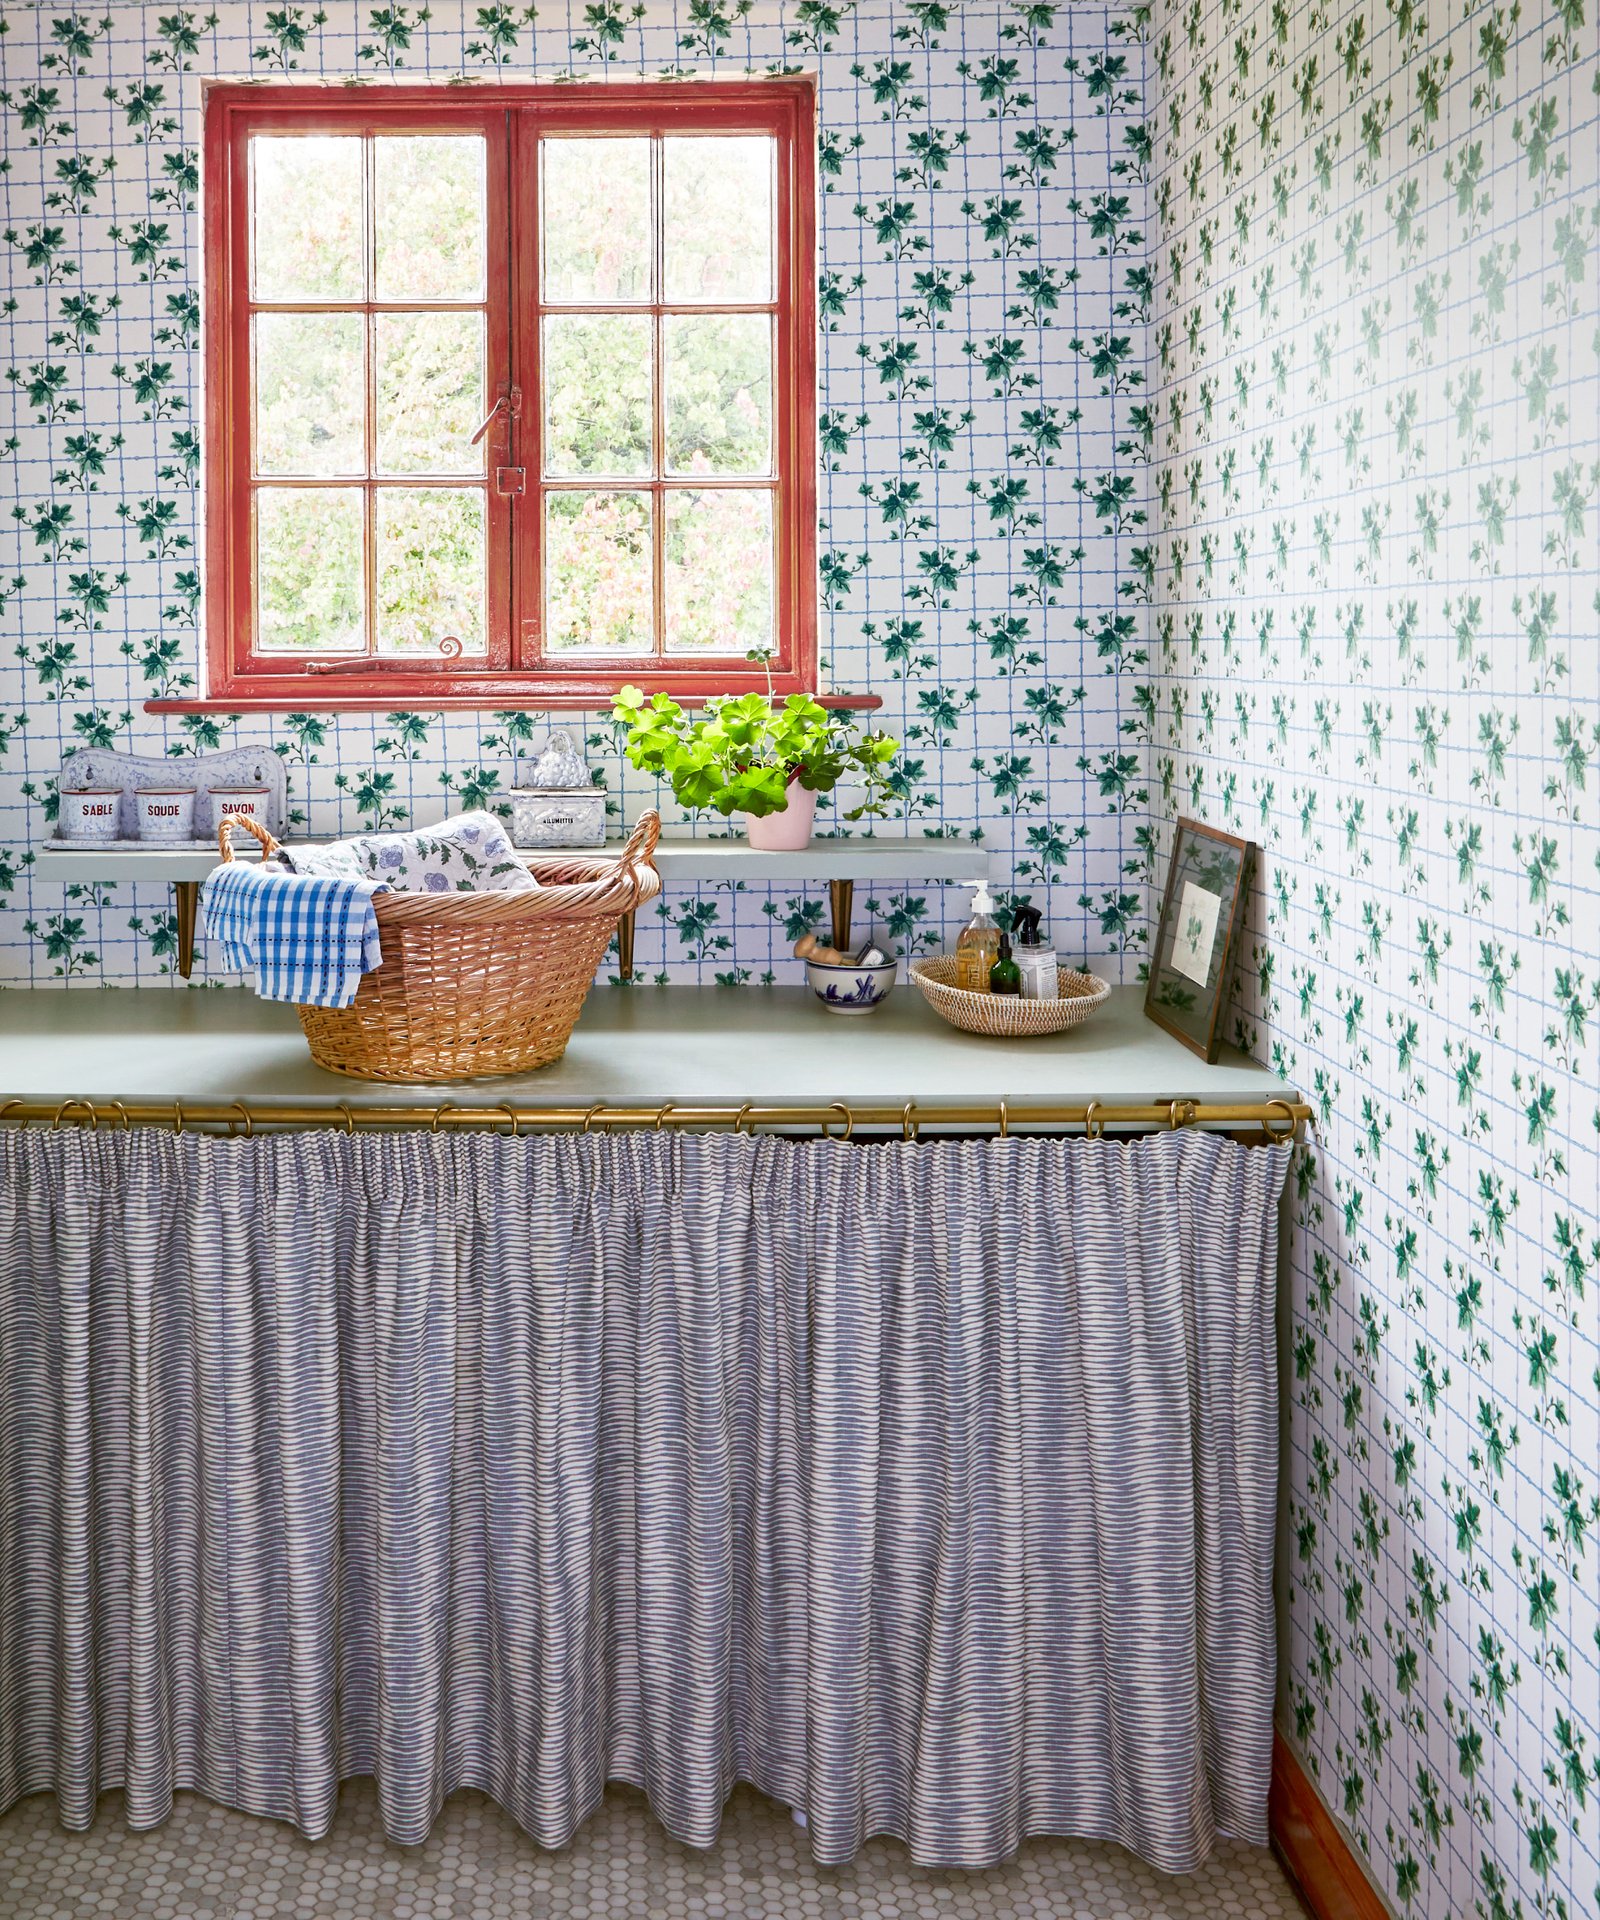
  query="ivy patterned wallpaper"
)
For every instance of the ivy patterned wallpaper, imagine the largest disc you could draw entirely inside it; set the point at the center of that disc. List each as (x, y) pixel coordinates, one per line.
(1375, 235)
(984, 425)
(1265, 489)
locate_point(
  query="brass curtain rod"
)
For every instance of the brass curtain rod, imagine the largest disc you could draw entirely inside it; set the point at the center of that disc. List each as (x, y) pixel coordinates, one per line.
(1278, 1119)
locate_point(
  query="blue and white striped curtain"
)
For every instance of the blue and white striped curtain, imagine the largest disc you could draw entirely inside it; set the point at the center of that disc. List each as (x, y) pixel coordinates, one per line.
(928, 1488)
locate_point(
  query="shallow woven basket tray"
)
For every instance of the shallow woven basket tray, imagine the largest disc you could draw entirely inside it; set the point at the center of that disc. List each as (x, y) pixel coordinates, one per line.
(479, 983)
(1003, 1016)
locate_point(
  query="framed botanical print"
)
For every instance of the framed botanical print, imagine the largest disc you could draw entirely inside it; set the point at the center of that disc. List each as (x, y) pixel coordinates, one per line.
(1191, 969)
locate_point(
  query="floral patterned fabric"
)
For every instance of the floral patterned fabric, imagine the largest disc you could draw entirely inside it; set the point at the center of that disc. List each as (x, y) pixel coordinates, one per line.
(469, 854)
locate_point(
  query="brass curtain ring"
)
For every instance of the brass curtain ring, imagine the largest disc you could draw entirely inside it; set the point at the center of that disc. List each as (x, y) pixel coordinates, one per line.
(55, 1124)
(1094, 1126)
(7, 1108)
(662, 1112)
(908, 1123)
(1005, 1121)
(247, 1117)
(510, 1113)
(1289, 1115)
(177, 1118)
(439, 1112)
(349, 1117)
(122, 1110)
(840, 1107)
(739, 1118)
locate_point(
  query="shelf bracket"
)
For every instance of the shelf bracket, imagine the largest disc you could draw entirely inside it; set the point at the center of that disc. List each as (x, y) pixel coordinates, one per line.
(186, 898)
(625, 946)
(841, 895)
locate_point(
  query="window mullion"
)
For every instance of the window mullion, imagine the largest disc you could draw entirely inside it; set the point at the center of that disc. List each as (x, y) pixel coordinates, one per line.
(522, 293)
(369, 227)
(658, 425)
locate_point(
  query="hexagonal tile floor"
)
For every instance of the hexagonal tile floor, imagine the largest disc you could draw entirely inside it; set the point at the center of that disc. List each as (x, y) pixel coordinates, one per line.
(206, 1863)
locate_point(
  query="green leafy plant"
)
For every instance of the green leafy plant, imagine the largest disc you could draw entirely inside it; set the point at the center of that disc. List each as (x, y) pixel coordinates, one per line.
(746, 750)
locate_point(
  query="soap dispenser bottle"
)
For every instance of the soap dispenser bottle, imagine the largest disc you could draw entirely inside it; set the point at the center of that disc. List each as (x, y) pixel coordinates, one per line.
(979, 945)
(1035, 956)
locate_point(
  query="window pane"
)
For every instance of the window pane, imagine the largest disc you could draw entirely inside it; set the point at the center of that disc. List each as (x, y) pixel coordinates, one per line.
(308, 569)
(428, 217)
(717, 217)
(430, 392)
(718, 374)
(597, 572)
(310, 394)
(596, 214)
(430, 569)
(719, 570)
(597, 394)
(307, 208)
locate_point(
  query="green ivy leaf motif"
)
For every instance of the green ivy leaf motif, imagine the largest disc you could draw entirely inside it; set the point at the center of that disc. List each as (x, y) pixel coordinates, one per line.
(290, 30)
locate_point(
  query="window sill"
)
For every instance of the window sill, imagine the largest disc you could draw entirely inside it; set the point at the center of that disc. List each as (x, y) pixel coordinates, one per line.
(537, 701)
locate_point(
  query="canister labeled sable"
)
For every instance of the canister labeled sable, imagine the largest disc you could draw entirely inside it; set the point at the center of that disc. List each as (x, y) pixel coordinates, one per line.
(1035, 955)
(91, 814)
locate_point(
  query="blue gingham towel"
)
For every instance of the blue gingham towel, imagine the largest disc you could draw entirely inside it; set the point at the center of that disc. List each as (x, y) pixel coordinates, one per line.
(309, 938)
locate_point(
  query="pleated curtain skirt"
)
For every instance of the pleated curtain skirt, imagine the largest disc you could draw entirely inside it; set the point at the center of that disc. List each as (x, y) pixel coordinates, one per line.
(928, 1488)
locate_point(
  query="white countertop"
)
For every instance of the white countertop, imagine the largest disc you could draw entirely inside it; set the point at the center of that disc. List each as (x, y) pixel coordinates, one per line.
(636, 1046)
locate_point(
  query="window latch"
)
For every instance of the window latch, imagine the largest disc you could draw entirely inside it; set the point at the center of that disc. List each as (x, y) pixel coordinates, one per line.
(510, 403)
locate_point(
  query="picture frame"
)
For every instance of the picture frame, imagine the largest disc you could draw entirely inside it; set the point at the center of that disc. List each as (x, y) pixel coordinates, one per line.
(1197, 941)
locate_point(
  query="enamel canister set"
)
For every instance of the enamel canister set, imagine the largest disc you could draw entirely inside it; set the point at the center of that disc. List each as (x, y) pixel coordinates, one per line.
(162, 816)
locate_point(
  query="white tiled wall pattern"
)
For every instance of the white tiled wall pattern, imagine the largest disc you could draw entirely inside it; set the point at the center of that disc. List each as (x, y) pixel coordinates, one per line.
(1371, 386)
(984, 351)
(1375, 228)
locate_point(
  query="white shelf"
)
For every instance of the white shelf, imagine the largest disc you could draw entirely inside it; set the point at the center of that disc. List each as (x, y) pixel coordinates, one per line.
(128, 860)
(887, 858)
(679, 861)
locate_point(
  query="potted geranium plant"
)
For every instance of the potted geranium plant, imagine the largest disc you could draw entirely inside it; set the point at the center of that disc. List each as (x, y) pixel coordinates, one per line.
(750, 753)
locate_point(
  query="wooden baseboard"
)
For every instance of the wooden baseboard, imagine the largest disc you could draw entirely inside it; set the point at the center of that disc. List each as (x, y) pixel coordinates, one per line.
(1328, 1873)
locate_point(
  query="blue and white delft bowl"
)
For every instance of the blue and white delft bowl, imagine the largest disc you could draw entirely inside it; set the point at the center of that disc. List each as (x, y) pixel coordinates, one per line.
(846, 989)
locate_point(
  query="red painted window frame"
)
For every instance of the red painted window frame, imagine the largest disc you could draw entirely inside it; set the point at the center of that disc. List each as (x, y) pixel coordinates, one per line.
(514, 674)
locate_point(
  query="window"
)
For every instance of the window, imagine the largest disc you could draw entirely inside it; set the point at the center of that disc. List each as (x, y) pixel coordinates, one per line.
(511, 395)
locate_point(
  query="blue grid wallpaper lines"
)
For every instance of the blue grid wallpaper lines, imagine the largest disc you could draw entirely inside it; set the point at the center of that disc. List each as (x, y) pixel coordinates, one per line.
(1375, 230)
(981, 393)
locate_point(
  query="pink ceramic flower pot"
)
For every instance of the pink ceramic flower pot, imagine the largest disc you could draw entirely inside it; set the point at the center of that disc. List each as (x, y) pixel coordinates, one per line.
(785, 832)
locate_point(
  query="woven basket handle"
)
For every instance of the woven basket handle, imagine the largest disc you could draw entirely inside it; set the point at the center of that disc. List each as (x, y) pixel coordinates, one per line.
(641, 843)
(225, 827)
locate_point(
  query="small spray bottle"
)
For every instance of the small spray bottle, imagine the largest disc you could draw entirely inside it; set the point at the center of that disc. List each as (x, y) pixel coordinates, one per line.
(1036, 957)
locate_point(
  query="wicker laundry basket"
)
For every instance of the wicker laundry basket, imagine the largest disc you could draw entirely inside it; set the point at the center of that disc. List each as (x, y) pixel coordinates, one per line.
(479, 983)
